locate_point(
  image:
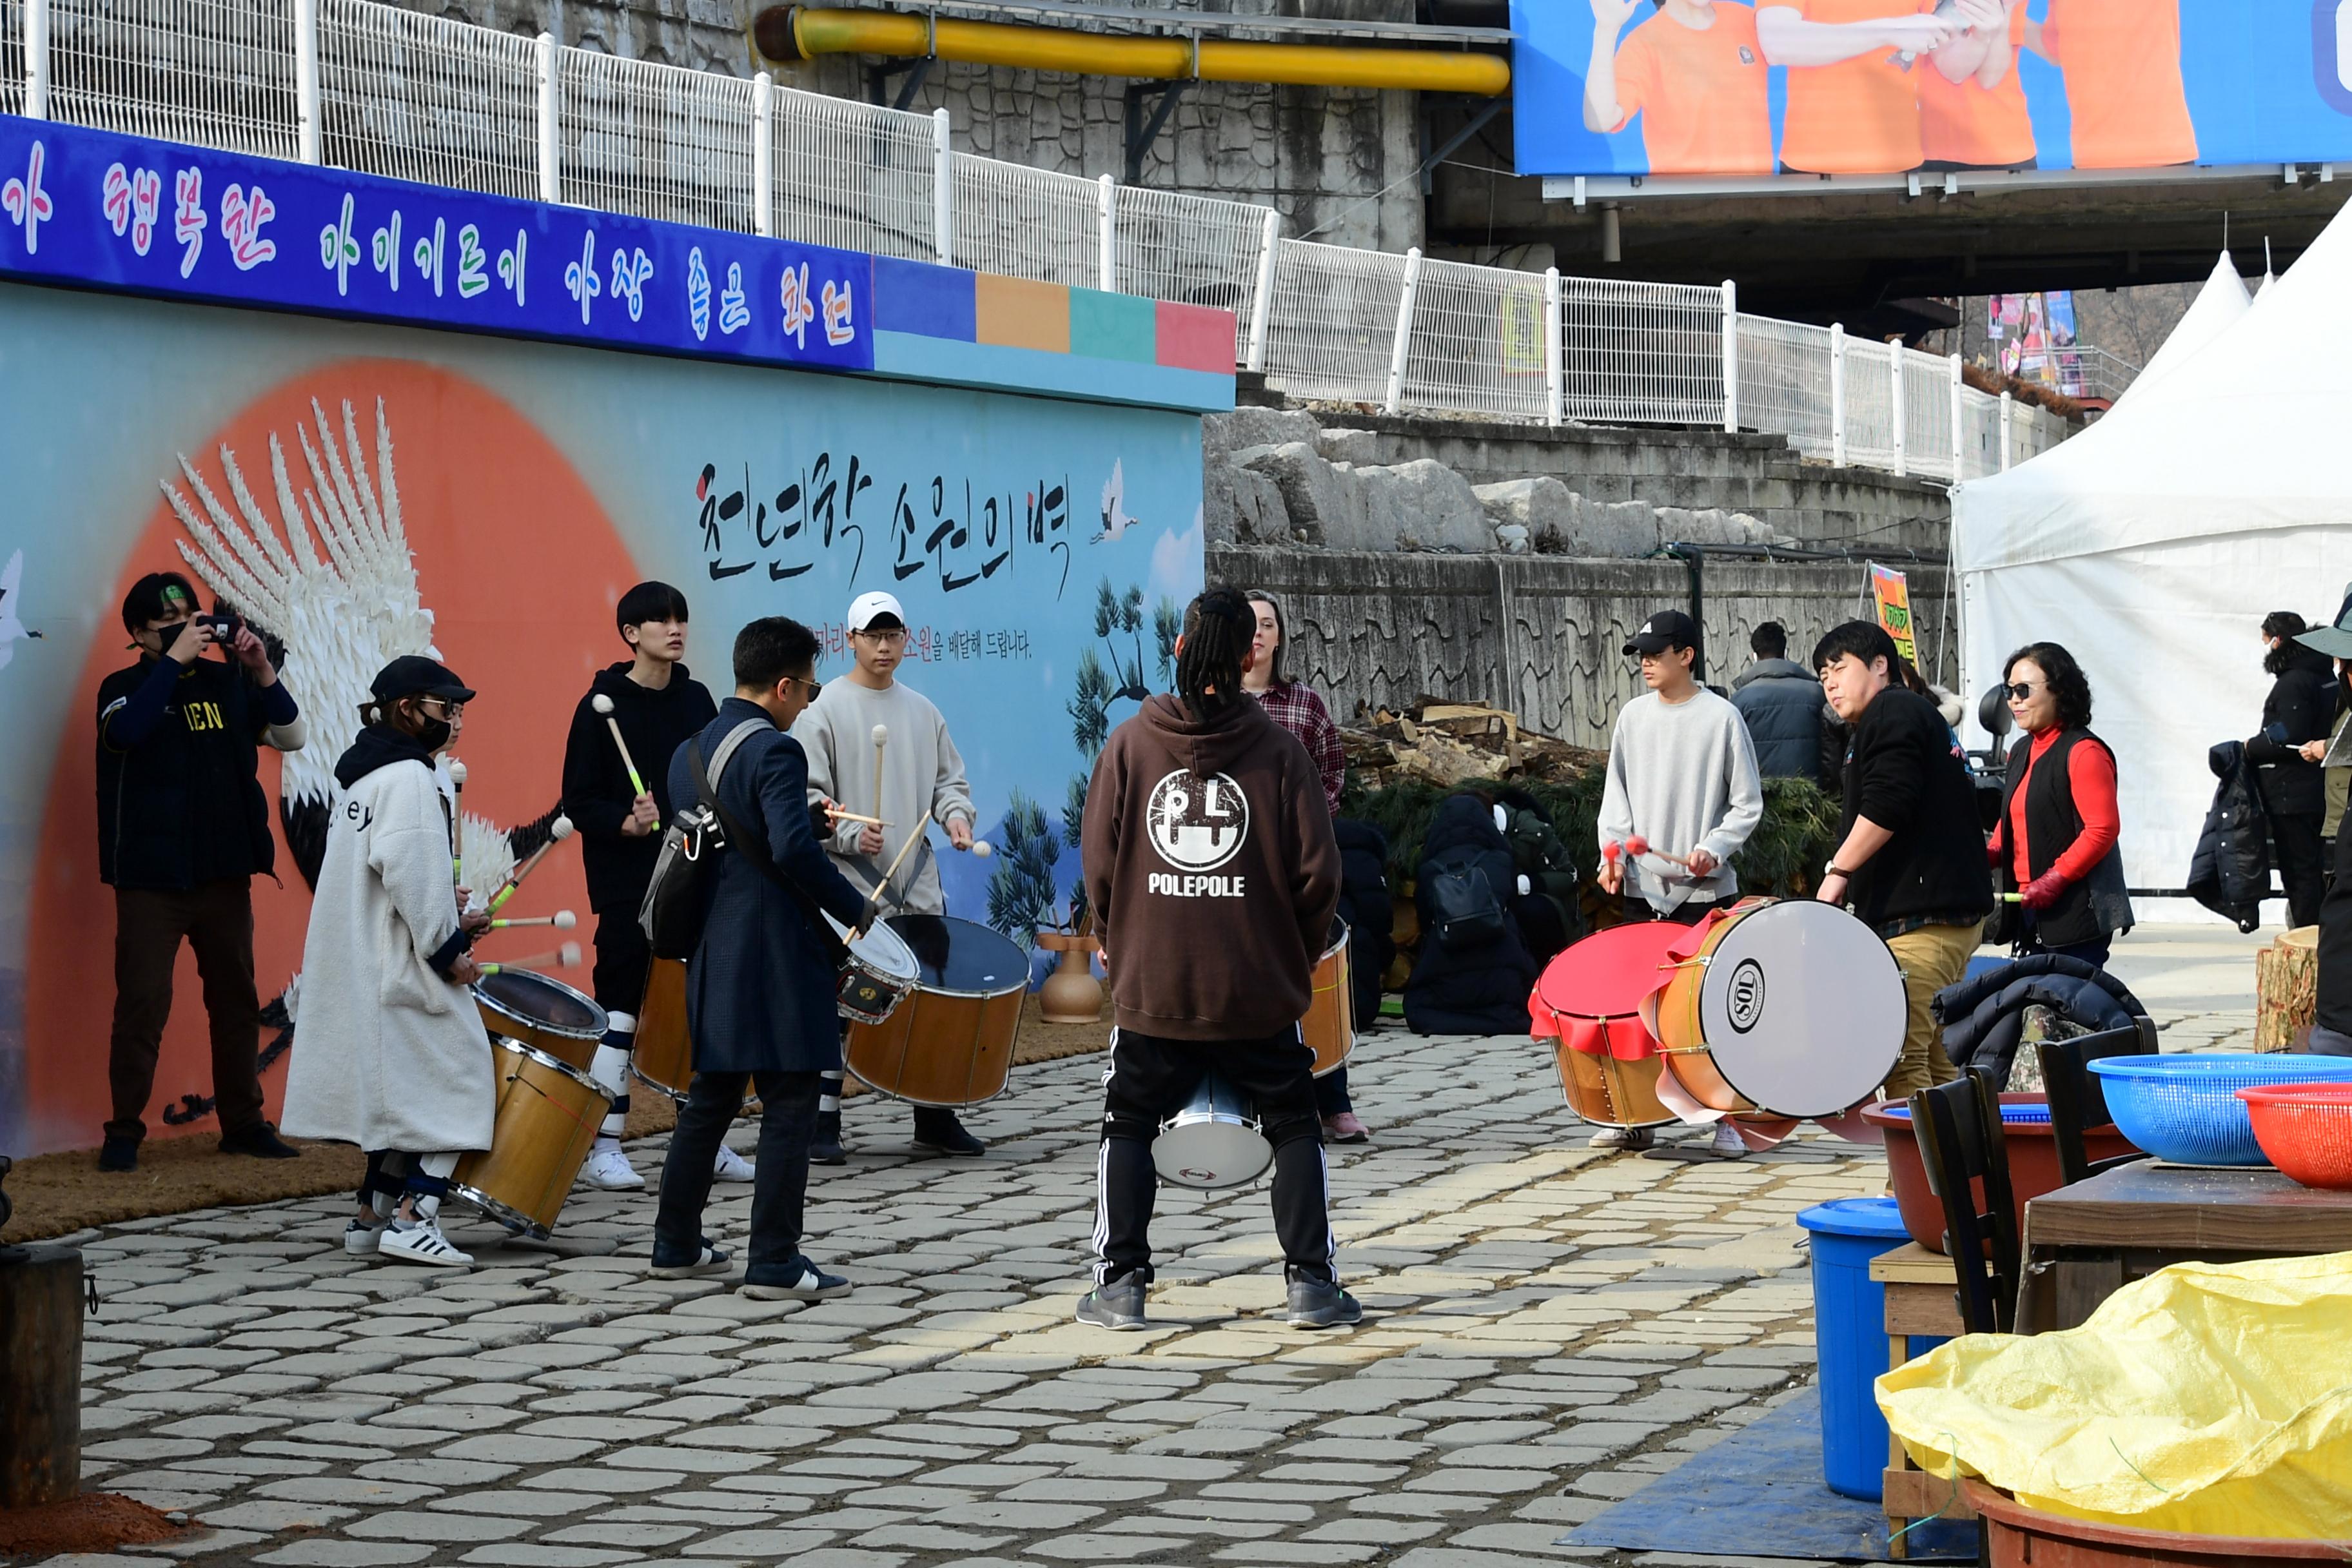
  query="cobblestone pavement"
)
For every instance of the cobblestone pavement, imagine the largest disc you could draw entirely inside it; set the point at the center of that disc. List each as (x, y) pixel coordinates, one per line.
(1548, 1329)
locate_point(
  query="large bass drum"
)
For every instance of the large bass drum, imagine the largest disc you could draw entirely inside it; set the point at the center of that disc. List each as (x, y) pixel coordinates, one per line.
(1329, 1026)
(950, 1042)
(1795, 1008)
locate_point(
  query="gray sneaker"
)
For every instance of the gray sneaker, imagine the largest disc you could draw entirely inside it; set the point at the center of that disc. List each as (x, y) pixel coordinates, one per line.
(1118, 1305)
(1321, 1304)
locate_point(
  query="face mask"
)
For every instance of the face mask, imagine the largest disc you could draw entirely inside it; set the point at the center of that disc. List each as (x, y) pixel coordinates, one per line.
(433, 735)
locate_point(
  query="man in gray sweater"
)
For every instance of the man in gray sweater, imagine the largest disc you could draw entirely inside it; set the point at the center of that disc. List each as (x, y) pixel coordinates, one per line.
(1683, 785)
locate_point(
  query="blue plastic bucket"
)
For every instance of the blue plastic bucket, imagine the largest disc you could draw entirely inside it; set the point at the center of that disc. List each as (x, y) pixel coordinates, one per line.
(1850, 1336)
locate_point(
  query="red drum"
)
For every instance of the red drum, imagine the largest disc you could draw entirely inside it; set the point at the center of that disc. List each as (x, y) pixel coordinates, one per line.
(1589, 1003)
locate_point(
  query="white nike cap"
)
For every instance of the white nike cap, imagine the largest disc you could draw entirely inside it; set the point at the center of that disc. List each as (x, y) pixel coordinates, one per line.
(867, 608)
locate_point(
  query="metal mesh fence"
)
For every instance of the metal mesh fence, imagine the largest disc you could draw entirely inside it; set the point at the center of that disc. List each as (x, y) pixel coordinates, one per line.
(1869, 405)
(1196, 250)
(1641, 352)
(210, 73)
(657, 141)
(1027, 223)
(854, 176)
(12, 57)
(1784, 382)
(1979, 434)
(1331, 325)
(423, 97)
(1927, 413)
(1478, 342)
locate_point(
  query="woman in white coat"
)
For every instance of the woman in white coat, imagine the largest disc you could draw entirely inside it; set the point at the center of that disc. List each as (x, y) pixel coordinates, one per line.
(390, 1053)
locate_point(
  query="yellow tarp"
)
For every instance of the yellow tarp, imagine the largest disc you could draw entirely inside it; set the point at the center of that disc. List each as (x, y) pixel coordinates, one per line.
(2210, 1398)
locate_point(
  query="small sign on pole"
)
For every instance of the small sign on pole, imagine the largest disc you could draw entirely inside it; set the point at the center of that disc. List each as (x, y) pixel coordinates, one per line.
(1892, 592)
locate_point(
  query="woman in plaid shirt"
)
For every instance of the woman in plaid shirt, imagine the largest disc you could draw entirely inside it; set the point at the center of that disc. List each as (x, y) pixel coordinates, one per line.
(1297, 709)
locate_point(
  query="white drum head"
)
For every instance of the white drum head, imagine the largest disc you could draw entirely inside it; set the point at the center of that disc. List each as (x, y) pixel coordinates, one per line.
(881, 950)
(1802, 1009)
(1212, 1151)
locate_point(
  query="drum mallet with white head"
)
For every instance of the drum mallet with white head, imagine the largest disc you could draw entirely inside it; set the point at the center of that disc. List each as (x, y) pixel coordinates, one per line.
(561, 919)
(558, 831)
(603, 704)
(881, 740)
(564, 957)
(458, 816)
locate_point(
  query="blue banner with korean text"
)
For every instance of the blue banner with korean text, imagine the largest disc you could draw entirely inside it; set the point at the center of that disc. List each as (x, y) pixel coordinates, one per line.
(96, 209)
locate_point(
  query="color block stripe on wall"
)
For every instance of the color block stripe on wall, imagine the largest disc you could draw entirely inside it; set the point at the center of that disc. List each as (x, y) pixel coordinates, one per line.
(1196, 337)
(1016, 313)
(1113, 326)
(923, 297)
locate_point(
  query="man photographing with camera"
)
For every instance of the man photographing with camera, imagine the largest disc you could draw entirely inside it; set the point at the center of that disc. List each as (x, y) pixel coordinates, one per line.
(182, 828)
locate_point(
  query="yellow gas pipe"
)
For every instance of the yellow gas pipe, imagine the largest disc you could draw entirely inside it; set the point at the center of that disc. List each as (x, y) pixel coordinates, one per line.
(801, 32)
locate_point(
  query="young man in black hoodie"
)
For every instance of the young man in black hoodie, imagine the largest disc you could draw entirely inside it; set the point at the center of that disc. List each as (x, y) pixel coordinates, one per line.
(183, 828)
(1212, 874)
(1911, 857)
(659, 707)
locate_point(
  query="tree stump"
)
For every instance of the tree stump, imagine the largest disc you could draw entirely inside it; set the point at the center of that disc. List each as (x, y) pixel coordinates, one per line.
(2286, 991)
(40, 1376)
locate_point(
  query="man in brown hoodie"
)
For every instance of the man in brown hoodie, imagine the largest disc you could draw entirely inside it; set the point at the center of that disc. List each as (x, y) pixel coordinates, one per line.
(1214, 876)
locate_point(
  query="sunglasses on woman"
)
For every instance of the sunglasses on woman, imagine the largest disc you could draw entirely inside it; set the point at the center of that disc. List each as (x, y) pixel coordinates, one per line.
(2020, 691)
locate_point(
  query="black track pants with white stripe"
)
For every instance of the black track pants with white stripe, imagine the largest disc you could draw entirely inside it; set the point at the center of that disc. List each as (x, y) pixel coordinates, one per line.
(1151, 1078)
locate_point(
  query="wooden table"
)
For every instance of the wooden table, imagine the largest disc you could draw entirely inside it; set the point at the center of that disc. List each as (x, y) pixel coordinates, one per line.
(1922, 1298)
(2086, 1242)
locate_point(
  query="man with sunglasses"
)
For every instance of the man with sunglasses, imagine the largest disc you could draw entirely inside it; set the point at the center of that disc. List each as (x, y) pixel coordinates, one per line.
(922, 782)
(182, 829)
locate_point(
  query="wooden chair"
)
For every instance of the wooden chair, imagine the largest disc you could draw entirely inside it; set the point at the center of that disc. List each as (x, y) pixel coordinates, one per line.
(1958, 1128)
(2077, 1099)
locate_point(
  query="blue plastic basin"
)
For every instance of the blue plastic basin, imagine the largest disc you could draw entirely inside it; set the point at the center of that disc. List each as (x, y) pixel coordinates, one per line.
(2186, 1107)
(1850, 1336)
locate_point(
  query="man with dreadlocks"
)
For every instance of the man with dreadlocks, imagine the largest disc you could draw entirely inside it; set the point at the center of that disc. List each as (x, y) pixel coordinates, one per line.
(1213, 873)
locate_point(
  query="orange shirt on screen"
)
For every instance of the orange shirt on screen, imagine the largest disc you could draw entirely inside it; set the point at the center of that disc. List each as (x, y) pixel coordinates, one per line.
(1860, 116)
(2121, 60)
(1961, 122)
(1702, 95)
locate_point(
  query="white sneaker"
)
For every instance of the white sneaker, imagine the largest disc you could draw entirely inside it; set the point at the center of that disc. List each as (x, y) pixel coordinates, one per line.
(361, 1237)
(421, 1241)
(1727, 1144)
(1623, 1138)
(728, 1166)
(609, 1169)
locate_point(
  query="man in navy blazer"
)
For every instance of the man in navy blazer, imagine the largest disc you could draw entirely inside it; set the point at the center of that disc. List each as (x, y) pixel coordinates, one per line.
(759, 988)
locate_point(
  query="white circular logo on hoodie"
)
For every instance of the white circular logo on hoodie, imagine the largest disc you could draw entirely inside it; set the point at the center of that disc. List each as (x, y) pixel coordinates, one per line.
(1197, 824)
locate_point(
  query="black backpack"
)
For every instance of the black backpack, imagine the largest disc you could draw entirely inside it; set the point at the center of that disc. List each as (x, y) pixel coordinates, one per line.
(1468, 914)
(686, 873)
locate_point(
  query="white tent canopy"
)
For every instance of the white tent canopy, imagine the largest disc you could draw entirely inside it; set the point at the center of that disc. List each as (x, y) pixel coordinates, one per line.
(2215, 311)
(2152, 545)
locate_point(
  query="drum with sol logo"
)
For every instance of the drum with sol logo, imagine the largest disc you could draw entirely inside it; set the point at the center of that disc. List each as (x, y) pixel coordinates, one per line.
(1795, 1008)
(547, 1119)
(1213, 1141)
(1591, 997)
(1329, 1026)
(546, 1015)
(950, 1043)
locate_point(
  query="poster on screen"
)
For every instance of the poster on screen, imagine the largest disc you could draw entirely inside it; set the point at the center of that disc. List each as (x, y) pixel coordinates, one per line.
(1804, 89)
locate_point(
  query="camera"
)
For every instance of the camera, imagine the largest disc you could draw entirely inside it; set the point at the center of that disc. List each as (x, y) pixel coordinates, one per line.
(224, 627)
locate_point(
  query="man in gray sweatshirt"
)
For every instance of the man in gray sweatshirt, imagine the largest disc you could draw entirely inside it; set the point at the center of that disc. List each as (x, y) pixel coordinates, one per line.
(1683, 784)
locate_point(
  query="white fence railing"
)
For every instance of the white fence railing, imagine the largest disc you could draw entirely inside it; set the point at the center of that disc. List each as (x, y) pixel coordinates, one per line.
(362, 85)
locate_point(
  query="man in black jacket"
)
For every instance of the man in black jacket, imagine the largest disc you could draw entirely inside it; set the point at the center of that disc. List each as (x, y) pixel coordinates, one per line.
(1911, 858)
(182, 828)
(659, 707)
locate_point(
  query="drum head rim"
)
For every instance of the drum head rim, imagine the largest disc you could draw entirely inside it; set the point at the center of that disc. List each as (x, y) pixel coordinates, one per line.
(500, 1212)
(533, 1053)
(661, 1088)
(1021, 959)
(583, 1032)
(1721, 965)
(931, 1104)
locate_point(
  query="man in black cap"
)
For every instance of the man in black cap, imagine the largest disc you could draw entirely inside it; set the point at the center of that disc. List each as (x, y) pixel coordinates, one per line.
(388, 1052)
(182, 828)
(1681, 797)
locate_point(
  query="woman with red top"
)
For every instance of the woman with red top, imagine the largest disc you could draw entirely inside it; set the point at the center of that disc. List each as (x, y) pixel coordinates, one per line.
(2056, 843)
(1295, 707)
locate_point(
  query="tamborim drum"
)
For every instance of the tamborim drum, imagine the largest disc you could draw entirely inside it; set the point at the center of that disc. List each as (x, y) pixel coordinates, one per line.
(546, 1015)
(1213, 1141)
(547, 1119)
(1590, 996)
(950, 1043)
(1330, 1026)
(1795, 1008)
(880, 971)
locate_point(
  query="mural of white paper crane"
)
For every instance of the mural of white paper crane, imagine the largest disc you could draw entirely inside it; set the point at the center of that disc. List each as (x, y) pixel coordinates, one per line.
(334, 581)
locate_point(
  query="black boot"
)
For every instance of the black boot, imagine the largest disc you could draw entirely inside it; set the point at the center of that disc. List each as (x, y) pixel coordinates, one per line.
(937, 1129)
(825, 1143)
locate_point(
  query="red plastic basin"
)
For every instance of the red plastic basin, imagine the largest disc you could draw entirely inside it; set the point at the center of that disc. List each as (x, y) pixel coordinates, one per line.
(2305, 1129)
(2033, 1165)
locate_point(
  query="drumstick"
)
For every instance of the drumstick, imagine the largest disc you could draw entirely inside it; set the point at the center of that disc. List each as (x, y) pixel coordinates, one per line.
(561, 919)
(558, 831)
(603, 704)
(881, 740)
(458, 817)
(564, 957)
(982, 847)
(1639, 846)
(918, 837)
(840, 816)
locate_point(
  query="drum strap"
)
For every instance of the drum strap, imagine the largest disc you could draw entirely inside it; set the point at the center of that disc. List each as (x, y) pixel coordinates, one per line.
(754, 847)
